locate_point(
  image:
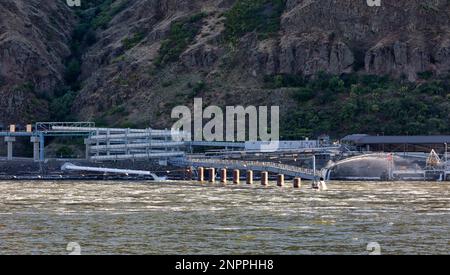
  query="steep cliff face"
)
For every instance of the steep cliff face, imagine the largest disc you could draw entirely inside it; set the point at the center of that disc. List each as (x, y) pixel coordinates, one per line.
(398, 38)
(123, 85)
(33, 43)
(139, 58)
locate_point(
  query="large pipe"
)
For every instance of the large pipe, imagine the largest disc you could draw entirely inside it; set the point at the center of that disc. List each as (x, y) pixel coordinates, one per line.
(132, 132)
(138, 156)
(131, 135)
(137, 145)
(72, 167)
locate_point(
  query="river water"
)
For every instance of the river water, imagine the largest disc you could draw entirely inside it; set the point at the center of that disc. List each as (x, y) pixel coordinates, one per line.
(187, 218)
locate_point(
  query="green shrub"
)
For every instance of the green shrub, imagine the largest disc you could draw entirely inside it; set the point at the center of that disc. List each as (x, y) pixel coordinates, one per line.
(304, 94)
(64, 152)
(262, 16)
(101, 20)
(27, 87)
(368, 104)
(283, 80)
(130, 42)
(60, 107)
(425, 75)
(73, 70)
(181, 34)
(121, 110)
(198, 87)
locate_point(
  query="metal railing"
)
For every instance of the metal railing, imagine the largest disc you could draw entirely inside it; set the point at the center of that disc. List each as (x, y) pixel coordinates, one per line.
(289, 170)
(50, 126)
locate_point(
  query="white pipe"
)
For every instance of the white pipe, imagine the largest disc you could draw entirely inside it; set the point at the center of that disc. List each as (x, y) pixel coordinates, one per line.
(134, 135)
(138, 145)
(119, 130)
(137, 156)
(70, 166)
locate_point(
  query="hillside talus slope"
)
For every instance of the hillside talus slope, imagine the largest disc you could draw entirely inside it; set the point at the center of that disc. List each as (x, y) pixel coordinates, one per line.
(400, 39)
(34, 36)
(140, 58)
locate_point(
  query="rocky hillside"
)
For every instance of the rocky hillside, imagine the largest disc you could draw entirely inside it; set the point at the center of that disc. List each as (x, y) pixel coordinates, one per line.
(128, 62)
(34, 37)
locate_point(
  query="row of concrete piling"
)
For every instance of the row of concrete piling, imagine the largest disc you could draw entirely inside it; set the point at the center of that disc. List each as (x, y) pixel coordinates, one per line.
(236, 178)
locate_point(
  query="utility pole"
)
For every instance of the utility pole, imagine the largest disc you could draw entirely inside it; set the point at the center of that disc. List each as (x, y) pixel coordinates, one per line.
(445, 155)
(314, 167)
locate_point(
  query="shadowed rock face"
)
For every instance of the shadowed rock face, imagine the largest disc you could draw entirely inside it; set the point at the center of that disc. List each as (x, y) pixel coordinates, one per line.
(34, 36)
(400, 38)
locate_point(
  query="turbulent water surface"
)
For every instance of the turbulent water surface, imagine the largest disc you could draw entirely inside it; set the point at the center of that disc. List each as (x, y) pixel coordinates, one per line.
(185, 218)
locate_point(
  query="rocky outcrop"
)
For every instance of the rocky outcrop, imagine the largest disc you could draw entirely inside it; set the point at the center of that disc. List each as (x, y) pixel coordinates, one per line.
(120, 82)
(407, 57)
(34, 36)
(401, 37)
(314, 52)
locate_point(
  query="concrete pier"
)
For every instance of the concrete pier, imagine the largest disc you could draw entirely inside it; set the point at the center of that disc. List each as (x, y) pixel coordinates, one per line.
(249, 177)
(264, 178)
(35, 141)
(9, 143)
(236, 176)
(297, 182)
(201, 174)
(223, 176)
(280, 180)
(87, 148)
(212, 175)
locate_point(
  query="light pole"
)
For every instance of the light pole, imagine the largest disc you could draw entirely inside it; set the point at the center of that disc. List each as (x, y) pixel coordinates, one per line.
(445, 154)
(314, 167)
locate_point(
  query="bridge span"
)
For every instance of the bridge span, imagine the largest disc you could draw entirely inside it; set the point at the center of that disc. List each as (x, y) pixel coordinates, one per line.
(272, 167)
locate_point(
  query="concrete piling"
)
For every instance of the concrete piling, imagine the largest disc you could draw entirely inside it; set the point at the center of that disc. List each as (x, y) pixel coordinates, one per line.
(223, 176)
(212, 175)
(264, 178)
(201, 174)
(249, 177)
(297, 182)
(236, 176)
(9, 143)
(35, 141)
(280, 180)
(87, 148)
